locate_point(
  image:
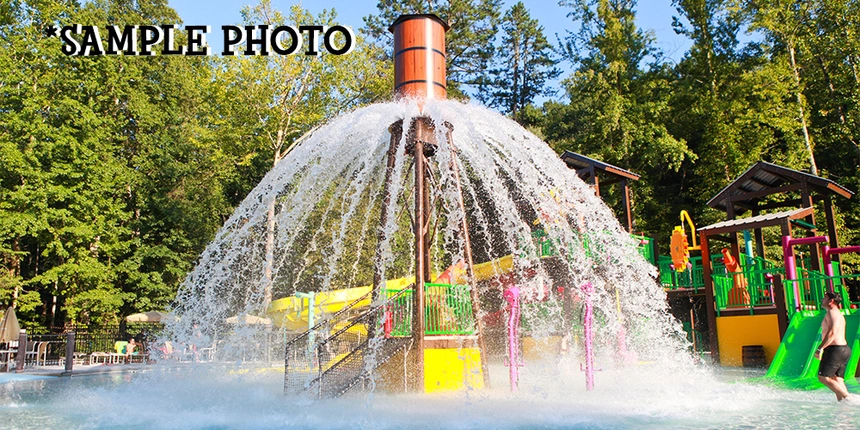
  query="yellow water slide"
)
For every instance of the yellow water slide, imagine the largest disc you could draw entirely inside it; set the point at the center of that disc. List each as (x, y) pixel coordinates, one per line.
(291, 313)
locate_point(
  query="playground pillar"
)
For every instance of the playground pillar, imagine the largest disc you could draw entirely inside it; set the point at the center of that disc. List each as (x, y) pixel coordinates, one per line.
(512, 295)
(710, 303)
(588, 322)
(806, 202)
(779, 303)
(470, 262)
(831, 226)
(759, 239)
(396, 131)
(422, 131)
(625, 197)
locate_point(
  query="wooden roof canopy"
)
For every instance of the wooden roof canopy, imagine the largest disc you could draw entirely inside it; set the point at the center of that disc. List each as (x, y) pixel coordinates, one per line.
(588, 170)
(749, 190)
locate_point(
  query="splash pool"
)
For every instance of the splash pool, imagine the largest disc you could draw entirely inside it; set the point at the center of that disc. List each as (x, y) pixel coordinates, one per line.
(551, 397)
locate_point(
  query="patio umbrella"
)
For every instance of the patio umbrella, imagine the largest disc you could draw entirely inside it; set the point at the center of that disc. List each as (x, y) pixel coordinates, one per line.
(9, 327)
(249, 320)
(151, 316)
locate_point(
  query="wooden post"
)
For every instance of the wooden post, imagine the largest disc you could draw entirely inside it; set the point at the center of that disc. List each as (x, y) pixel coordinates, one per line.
(710, 303)
(759, 239)
(470, 263)
(626, 199)
(779, 302)
(831, 229)
(396, 131)
(420, 134)
(806, 202)
(595, 182)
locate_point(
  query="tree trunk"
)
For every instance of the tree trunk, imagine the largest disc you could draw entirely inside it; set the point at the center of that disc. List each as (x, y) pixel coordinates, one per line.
(799, 96)
(15, 269)
(270, 232)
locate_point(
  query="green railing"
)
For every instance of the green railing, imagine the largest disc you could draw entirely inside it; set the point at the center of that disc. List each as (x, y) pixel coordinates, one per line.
(447, 311)
(646, 248)
(544, 244)
(757, 275)
(547, 248)
(755, 291)
(812, 285)
(691, 278)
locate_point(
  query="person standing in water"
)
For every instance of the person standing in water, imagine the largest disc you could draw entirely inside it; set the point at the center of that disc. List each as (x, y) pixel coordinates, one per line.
(833, 352)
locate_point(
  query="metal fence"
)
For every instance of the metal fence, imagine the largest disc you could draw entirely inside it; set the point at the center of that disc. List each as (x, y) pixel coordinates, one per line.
(50, 349)
(330, 359)
(448, 310)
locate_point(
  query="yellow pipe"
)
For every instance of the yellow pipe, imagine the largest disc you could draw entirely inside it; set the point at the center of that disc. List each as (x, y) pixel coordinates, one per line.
(684, 215)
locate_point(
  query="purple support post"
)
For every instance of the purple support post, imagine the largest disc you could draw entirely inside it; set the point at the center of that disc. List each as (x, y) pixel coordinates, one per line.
(791, 269)
(769, 280)
(512, 295)
(588, 290)
(790, 263)
(827, 251)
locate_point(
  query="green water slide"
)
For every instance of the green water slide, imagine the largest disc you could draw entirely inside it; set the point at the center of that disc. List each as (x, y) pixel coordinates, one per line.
(794, 363)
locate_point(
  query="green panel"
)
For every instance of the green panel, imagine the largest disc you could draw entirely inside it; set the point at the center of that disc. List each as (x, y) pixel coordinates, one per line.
(794, 361)
(852, 336)
(447, 310)
(795, 365)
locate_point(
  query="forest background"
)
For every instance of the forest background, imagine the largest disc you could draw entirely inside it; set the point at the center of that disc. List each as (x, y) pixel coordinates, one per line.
(115, 172)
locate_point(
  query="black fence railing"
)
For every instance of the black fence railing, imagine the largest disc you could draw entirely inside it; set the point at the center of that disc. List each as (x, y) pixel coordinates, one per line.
(329, 359)
(50, 349)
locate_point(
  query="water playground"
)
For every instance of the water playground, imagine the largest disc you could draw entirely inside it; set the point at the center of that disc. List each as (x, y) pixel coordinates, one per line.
(424, 263)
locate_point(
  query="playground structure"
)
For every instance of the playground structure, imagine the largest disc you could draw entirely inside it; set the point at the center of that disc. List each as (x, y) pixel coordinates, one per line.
(536, 230)
(425, 332)
(758, 312)
(761, 312)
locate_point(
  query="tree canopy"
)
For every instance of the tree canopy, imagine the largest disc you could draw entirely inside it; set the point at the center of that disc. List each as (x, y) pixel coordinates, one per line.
(116, 171)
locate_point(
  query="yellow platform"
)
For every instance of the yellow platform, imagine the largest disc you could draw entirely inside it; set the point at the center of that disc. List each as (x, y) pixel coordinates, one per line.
(735, 332)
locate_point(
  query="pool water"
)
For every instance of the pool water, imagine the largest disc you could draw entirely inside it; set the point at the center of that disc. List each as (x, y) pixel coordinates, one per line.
(550, 397)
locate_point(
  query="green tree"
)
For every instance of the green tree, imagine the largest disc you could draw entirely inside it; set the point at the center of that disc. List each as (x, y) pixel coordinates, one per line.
(617, 110)
(283, 98)
(523, 66)
(786, 23)
(110, 189)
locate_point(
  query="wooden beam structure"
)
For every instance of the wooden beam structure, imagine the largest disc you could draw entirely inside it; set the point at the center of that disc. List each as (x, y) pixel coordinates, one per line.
(591, 171)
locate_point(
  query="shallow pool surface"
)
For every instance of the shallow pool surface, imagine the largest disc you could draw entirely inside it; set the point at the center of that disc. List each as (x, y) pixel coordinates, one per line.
(550, 397)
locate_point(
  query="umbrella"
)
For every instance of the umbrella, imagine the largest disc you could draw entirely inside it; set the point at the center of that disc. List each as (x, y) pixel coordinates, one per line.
(9, 327)
(249, 319)
(151, 316)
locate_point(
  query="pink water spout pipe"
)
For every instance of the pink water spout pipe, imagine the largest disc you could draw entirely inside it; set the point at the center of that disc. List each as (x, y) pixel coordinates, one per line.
(828, 267)
(588, 291)
(512, 295)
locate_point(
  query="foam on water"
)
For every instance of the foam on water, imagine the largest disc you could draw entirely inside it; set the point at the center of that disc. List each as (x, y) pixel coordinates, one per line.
(215, 397)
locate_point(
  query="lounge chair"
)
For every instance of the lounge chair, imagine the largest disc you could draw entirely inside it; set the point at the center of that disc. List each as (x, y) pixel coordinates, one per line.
(103, 357)
(32, 353)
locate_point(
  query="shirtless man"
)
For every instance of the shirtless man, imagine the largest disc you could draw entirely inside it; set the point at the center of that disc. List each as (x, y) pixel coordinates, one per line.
(833, 351)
